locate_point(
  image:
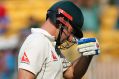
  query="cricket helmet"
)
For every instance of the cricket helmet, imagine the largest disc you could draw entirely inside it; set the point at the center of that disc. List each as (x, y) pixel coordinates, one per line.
(70, 12)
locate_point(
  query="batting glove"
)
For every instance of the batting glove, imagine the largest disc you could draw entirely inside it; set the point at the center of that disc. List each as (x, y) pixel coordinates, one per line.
(88, 46)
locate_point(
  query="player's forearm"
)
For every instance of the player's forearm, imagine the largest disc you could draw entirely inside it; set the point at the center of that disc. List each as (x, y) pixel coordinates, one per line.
(80, 66)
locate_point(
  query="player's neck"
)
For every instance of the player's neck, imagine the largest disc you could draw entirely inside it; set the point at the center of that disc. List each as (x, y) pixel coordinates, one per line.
(50, 28)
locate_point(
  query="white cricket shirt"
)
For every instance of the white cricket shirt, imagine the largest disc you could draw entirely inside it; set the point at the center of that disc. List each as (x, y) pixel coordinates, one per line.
(38, 56)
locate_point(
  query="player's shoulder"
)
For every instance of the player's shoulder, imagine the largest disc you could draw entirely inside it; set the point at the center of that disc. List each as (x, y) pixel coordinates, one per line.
(36, 39)
(36, 36)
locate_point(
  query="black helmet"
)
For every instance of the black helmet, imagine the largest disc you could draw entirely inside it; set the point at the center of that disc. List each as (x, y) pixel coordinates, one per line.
(71, 12)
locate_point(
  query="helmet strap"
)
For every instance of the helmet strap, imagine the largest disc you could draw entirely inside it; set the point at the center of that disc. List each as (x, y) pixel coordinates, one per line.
(58, 39)
(59, 35)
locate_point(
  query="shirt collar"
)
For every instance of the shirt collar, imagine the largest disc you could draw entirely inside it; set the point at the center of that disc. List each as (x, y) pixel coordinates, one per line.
(44, 32)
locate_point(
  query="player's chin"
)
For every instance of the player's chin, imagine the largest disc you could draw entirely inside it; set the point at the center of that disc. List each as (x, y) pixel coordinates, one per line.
(62, 40)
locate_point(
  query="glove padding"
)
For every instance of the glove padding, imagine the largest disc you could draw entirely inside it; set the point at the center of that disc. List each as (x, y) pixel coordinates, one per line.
(88, 46)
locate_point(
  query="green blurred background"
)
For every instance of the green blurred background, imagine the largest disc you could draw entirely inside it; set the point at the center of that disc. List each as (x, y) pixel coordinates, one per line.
(101, 20)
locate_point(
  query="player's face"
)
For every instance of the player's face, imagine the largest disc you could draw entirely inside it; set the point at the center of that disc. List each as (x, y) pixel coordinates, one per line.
(67, 29)
(66, 34)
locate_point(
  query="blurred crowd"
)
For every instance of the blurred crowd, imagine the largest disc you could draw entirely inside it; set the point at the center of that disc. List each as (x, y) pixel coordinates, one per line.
(9, 45)
(96, 20)
(7, 53)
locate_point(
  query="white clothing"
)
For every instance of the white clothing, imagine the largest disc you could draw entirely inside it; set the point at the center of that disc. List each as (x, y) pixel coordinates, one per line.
(38, 56)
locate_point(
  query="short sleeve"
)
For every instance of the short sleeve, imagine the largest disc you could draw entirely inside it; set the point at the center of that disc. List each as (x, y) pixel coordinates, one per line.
(32, 54)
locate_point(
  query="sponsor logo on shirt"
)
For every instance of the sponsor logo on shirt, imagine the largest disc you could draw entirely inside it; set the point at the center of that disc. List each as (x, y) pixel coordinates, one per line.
(25, 58)
(54, 56)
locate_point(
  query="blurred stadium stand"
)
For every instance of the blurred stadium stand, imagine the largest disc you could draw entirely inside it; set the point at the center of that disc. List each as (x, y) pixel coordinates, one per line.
(19, 13)
(20, 10)
(105, 66)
